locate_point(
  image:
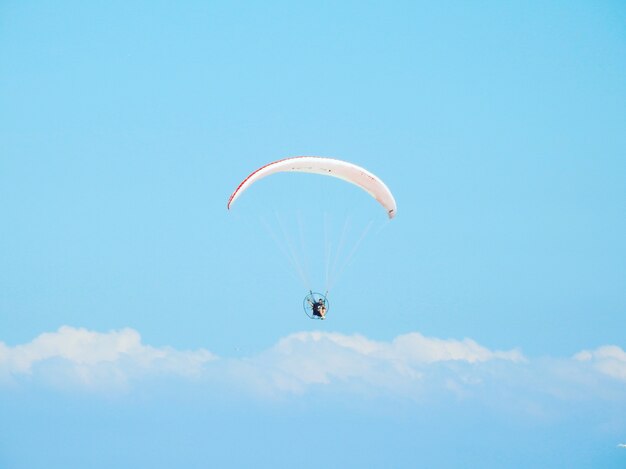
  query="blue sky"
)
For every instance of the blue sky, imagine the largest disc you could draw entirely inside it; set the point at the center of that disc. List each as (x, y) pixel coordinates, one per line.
(144, 322)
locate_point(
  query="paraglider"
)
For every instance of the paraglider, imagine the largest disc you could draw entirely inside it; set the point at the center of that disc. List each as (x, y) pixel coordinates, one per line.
(316, 305)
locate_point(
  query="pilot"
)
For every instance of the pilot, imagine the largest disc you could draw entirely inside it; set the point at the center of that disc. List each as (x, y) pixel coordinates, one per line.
(319, 309)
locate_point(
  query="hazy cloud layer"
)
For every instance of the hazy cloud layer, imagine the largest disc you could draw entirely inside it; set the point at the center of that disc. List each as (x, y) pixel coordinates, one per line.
(410, 366)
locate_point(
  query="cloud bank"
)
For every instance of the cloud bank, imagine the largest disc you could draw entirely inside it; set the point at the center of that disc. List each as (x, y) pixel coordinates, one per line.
(409, 366)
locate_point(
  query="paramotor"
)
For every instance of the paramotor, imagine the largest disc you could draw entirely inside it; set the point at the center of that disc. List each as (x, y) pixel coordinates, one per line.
(316, 305)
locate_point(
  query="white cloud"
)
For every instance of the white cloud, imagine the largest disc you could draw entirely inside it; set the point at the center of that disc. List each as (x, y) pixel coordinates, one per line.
(92, 359)
(609, 360)
(313, 358)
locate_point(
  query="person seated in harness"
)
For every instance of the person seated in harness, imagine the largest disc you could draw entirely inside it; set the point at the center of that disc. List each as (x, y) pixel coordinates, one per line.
(319, 308)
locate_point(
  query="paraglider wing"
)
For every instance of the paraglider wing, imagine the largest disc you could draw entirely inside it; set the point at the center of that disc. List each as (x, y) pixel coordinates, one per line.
(327, 167)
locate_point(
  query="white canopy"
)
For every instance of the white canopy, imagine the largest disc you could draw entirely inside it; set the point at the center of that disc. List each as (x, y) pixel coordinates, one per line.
(327, 167)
